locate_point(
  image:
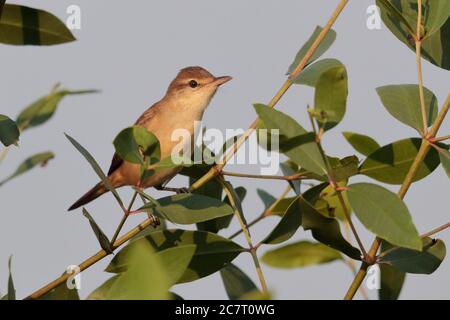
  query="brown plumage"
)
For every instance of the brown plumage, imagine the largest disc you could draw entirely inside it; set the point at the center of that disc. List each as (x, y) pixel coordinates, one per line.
(185, 101)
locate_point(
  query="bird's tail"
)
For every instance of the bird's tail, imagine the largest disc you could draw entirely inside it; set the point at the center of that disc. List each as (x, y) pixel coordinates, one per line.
(92, 194)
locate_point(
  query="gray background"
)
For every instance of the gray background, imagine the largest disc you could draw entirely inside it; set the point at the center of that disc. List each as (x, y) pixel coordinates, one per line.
(131, 51)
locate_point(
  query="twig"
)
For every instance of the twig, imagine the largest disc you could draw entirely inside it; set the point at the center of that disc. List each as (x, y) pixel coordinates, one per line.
(244, 228)
(126, 214)
(265, 213)
(423, 151)
(297, 176)
(443, 138)
(214, 171)
(418, 42)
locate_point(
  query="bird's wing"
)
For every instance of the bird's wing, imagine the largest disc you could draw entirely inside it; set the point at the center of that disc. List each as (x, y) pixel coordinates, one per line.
(117, 161)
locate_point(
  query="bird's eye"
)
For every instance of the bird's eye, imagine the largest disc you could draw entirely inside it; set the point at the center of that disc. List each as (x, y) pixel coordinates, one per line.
(193, 84)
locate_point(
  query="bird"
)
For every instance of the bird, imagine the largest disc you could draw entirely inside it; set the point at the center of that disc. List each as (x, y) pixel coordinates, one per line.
(184, 103)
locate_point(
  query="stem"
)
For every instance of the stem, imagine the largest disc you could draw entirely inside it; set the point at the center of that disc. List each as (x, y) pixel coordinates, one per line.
(436, 230)
(124, 218)
(214, 171)
(418, 42)
(91, 260)
(265, 213)
(423, 151)
(244, 228)
(297, 176)
(443, 138)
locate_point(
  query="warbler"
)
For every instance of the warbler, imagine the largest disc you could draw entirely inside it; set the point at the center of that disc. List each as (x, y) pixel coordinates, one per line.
(184, 103)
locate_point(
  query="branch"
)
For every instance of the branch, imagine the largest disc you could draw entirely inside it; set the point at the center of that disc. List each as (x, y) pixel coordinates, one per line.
(418, 42)
(297, 176)
(423, 151)
(214, 171)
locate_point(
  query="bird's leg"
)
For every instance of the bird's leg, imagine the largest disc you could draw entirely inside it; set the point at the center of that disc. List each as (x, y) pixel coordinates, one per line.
(176, 190)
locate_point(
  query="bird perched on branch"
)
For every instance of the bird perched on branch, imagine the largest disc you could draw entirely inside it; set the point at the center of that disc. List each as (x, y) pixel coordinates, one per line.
(185, 101)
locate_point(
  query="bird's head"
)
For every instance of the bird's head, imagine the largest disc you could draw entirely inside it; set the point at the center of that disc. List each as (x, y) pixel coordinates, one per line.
(194, 87)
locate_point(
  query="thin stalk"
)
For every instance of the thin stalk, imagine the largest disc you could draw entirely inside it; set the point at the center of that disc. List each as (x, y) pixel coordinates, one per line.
(124, 218)
(297, 176)
(244, 228)
(263, 215)
(214, 171)
(423, 151)
(418, 42)
(443, 138)
(91, 260)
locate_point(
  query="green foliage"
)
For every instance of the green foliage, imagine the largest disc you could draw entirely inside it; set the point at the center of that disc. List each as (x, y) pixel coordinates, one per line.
(391, 282)
(400, 17)
(311, 75)
(9, 133)
(331, 97)
(237, 283)
(361, 143)
(444, 155)
(103, 240)
(298, 144)
(324, 229)
(40, 159)
(403, 103)
(391, 163)
(412, 261)
(188, 208)
(11, 294)
(385, 214)
(323, 47)
(288, 225)
(44, 108)
(96, 168)
(21, 25)
(300, 254)
(212, 252)
(137, 145)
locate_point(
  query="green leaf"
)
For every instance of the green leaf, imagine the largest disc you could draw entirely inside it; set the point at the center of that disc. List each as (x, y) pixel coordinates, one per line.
(188, 208)
(134, 143)
(330, 98)
(96, 168)
(212, 251)
(61, 292)
(281, 207)
(44, 108)
(391, 163)
(298, 144)
(11, 290)
(329, 204)
(21, 25)
(411, 261)
(290, 168)
(391, 282)
(236, 200)
(103, 240)
(321, 49)
(401, 16)
(361, 143)
(147, 275)
(403, 103)
(9, 133)
(236, 282)
(39, 159)
(444, 155)
(324, 229)
(266, 197)
(312, 73)
(300, 254)
(344, 168)
(288, 224)
(385, 214)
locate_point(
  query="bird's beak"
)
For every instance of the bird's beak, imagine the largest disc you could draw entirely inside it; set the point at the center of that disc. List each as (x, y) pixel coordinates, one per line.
(220, 80)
